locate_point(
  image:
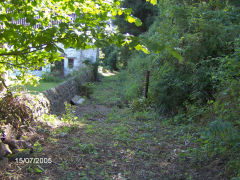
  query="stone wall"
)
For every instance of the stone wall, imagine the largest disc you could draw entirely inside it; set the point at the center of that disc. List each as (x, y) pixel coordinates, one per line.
(28, 106)
(65, 91)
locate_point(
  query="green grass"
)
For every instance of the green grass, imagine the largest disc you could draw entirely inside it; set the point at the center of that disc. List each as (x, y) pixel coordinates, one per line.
(42, 86)
(113, 90)
(108, 142)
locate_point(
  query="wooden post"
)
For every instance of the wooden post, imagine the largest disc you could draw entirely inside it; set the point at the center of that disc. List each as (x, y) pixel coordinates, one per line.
(147, 84)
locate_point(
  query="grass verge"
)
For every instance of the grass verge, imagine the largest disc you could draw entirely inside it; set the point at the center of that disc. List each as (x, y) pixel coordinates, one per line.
(42, 86)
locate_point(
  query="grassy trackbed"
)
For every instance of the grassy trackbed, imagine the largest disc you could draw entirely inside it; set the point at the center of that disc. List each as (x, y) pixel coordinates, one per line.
(104, 139)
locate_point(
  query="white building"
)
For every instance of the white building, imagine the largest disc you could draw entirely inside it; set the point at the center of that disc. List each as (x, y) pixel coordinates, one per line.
(73, 60)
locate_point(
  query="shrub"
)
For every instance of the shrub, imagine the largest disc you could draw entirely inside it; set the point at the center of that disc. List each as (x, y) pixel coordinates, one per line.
(51, 77)
(94, 68)
(139, 104)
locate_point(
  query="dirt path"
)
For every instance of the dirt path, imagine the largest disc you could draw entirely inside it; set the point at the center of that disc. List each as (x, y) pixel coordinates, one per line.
(108, 142)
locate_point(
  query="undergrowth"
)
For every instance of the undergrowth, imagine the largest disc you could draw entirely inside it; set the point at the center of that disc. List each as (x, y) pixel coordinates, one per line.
(210, 134)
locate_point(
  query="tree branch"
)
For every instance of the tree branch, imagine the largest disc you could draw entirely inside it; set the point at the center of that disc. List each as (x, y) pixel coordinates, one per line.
(22, 52)
(16, 65)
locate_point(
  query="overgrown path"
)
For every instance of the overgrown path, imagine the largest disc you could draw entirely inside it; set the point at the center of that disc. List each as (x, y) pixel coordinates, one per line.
(108, 141)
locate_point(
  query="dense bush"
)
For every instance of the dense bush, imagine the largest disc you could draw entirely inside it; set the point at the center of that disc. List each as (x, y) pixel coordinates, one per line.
(194, 64)
(51, 77)
(188, 44)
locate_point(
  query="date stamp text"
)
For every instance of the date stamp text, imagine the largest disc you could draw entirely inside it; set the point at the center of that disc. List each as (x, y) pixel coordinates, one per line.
(33, 160)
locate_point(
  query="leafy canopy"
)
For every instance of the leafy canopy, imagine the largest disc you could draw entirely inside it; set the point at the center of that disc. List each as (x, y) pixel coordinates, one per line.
(25, 47)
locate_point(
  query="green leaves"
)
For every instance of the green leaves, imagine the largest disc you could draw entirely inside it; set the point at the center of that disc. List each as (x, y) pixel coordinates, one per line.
(138, 22)
(131, 19)
(154, 2)
(38, 169)
(40, 25)
(114, 12)
(31, 45)
(175, 54)
(142, 48)
(135, 20)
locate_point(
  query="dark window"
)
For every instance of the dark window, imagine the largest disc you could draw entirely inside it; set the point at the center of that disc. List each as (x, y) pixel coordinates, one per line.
(70, 63)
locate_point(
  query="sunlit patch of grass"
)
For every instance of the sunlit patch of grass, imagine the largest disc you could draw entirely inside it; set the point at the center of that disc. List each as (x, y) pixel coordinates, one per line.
(105, 72)
(42, 87)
